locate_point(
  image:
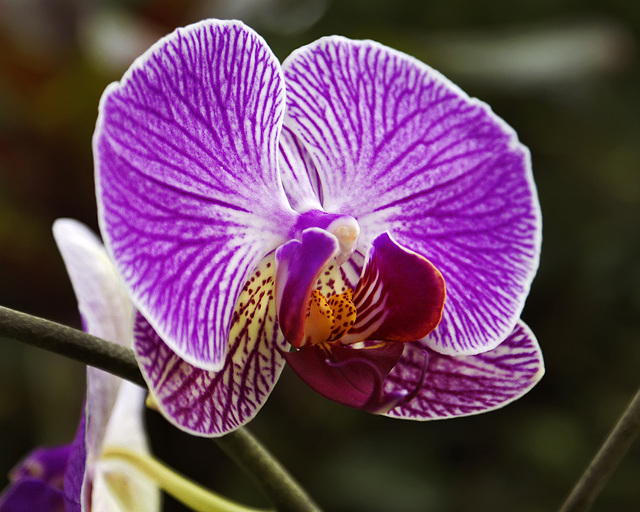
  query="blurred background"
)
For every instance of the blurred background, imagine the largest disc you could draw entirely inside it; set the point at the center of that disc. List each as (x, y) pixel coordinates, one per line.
(565, 74)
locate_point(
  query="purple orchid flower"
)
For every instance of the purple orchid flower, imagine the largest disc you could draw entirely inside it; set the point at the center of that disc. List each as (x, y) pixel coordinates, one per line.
(350, 212)
(75, 477)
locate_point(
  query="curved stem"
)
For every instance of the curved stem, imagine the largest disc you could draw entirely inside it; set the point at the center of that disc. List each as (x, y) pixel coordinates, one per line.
(71, 343)
(606, 460)
(186, 491)
(244, 449)
(247, 452)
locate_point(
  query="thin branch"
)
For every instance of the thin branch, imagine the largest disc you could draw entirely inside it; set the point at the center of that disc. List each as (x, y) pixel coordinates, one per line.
(241, 446)
(246, 451)
(606, 460)
(70, 343)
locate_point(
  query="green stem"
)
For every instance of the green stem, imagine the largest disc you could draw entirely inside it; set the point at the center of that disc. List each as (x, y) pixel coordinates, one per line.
(244, 449)
(186, 491)
(247, 452)
(71, 343)
(606, 460)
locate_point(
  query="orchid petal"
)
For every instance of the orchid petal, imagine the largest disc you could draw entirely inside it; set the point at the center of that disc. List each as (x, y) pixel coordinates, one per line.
(348, 376)
(298, 265)
(125, 430)
(37, 482)
(402, 149)
(189, 195)
(464, 385)
(77, 484)
(106, 312)
(215, 403)
(31, 494)
(104, 306)
(113, 408)
(46, 464)
(298, 173)
(399, 297)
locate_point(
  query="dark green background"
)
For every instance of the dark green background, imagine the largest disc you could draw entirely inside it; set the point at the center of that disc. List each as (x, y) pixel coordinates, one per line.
(564, 74)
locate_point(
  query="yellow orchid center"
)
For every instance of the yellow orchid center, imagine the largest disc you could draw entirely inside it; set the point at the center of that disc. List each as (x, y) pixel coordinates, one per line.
(328, 319)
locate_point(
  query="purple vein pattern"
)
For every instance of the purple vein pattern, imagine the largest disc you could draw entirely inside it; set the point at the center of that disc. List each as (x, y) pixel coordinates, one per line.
(401, 148)
(211, 158)
(189, 194)
(214, 403)
(464, 385)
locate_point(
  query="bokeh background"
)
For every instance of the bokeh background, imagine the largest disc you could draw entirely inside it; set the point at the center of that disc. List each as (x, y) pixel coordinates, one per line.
(565, 74)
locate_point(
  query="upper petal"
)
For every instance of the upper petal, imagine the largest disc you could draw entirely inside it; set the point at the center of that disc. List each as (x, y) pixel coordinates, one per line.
(104, 306)
(215, 403)
(189, 195)
(463, 385)
(402, 149)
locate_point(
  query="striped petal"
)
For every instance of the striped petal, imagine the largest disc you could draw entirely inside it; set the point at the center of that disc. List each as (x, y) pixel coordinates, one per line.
(402, 149)
(459, 386)
(189, 195)
(215, 403)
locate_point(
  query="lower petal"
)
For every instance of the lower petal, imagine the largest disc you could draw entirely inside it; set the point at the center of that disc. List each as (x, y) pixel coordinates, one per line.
(465, 385)
(214, 403)
(348, 376)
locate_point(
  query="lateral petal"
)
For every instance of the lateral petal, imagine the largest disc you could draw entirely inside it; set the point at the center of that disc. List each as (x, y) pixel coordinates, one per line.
(465, 385)
(212, 404)
(189, 195)
(404, 150)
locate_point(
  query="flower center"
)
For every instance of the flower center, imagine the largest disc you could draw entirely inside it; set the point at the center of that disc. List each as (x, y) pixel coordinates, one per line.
(328, 319)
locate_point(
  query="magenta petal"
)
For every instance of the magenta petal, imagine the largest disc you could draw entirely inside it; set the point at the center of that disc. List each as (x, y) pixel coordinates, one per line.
(298, 264)
(404, 150)
(464, 385)
(349, 376)
(214, 403)
(77, 480)
(189, 195)
(399, 297)
(37, 482)
(46, 464)
(32, 494)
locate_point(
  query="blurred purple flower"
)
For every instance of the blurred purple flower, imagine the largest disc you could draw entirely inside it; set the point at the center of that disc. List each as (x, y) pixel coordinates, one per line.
(75, 478)
(313, 212)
